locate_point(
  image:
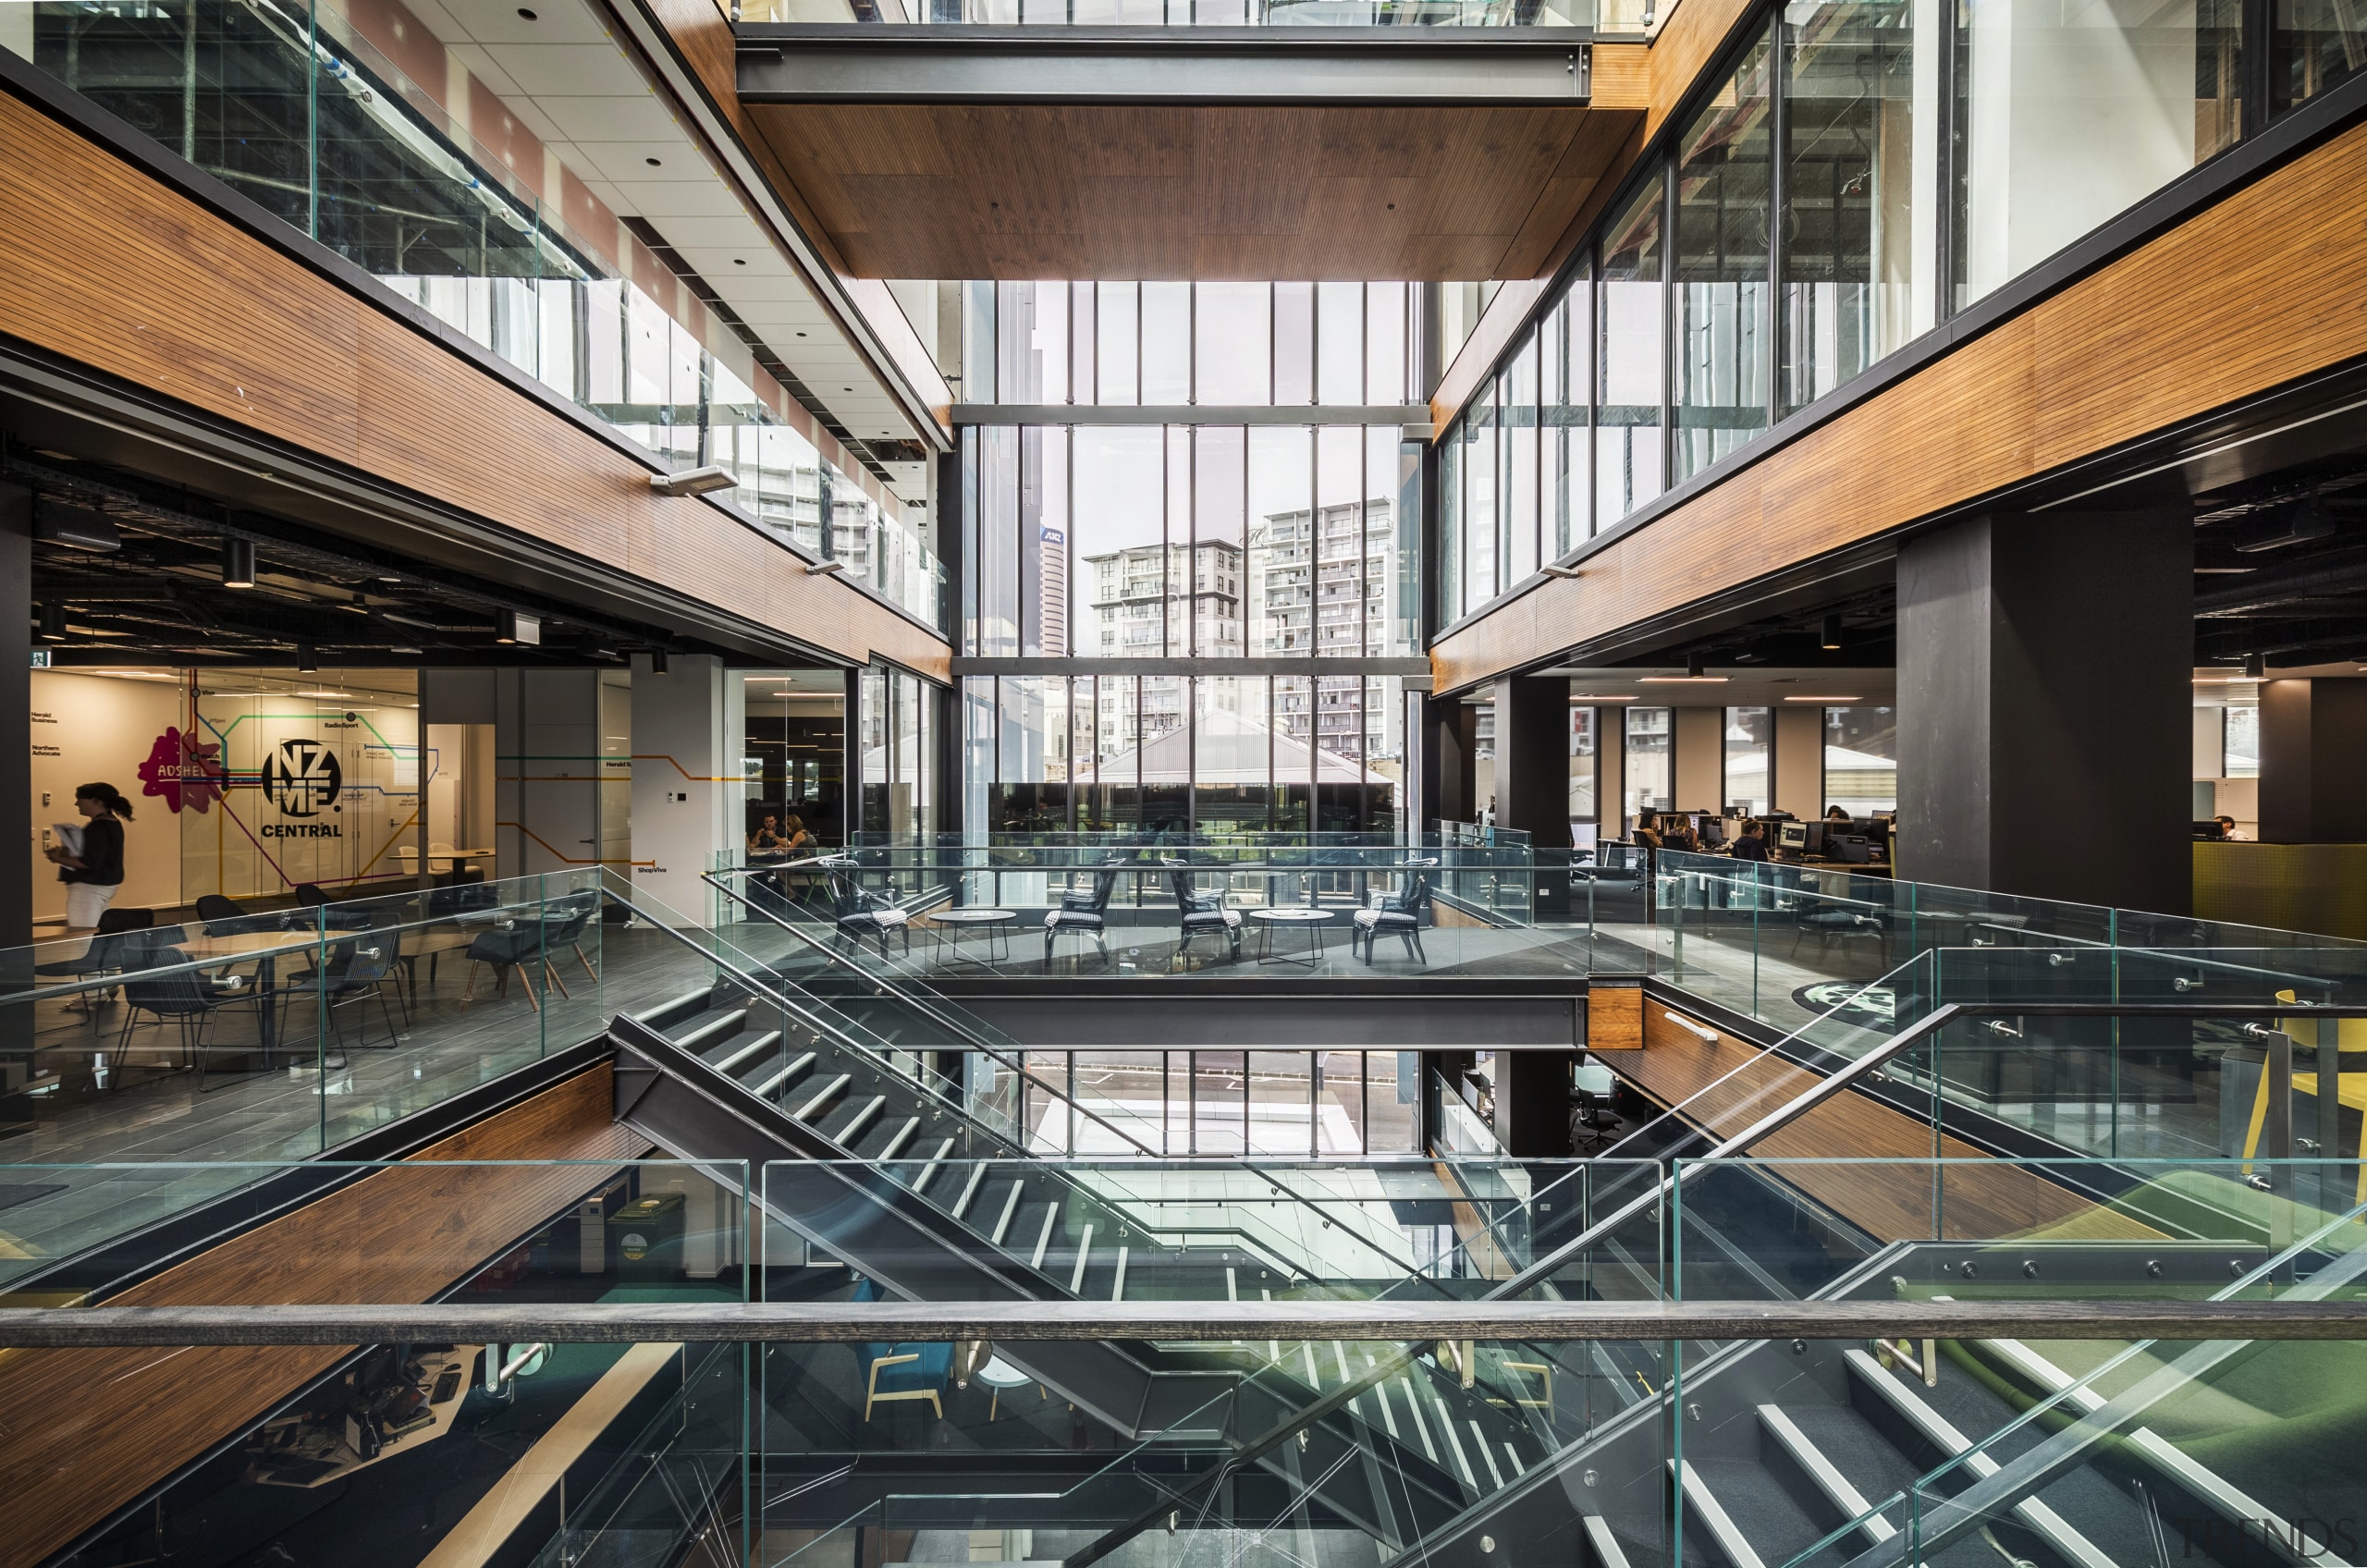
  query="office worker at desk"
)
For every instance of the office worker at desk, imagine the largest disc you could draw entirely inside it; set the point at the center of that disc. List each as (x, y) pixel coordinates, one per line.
(1752, 845)
(1838, 816)
(1648, 830)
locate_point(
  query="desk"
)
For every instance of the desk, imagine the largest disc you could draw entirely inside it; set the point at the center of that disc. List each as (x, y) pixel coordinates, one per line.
(456, 861)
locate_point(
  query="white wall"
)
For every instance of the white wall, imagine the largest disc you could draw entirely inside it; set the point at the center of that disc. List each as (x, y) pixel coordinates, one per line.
(686, 738)
(96, 729)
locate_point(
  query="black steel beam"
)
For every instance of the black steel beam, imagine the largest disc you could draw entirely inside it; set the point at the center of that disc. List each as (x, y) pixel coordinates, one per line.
(1340, 67)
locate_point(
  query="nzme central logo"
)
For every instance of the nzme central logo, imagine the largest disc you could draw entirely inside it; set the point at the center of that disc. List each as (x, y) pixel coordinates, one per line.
(301, 777)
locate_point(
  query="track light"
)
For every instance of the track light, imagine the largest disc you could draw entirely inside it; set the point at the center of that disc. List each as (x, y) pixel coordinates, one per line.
(515, 626)
(307, 658)
(695, 481)
(2255, 667)
(238, 563)
(657, 661)
(53, 623)
(1828, 635)
(1693, 667)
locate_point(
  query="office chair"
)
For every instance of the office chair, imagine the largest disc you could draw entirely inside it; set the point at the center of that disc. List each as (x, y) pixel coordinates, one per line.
(103, 953)
(1591, 1122)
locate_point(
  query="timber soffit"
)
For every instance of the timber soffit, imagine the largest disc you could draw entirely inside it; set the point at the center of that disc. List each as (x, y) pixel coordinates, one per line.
(42, 92)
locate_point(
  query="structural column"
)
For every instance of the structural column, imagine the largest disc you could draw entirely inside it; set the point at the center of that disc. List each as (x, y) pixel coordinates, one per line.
(2044, 670)
(16, 709)
(686, 782)
(1533, 758)
(2312, 761)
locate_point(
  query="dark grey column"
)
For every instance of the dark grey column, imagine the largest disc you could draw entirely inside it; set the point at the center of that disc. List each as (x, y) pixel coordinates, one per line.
(2312, 761)
(1533, 1103)
(16, 710)
(1533, 758)
(1455, 739)
(2044, 731)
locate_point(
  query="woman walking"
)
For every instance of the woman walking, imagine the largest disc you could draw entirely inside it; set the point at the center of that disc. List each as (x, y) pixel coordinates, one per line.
(92, 873)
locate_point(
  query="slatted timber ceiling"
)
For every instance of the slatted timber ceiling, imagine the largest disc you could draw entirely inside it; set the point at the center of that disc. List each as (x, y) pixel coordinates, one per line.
(1233, 192)
(86, 1432)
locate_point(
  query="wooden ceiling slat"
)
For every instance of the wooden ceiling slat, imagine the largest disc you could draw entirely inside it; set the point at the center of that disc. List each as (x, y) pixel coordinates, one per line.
(1271, 192)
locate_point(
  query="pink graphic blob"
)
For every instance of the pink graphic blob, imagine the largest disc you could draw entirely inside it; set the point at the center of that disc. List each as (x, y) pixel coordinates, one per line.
(182, 770)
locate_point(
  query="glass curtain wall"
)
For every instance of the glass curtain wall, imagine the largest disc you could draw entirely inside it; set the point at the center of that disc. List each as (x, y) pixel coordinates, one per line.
(1191, 541)
(1211, 753)
(1856, 172)
(340, 120)
(897, 722)
(1243, 345)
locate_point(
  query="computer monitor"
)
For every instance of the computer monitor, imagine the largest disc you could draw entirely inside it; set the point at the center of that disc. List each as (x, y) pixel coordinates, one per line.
(1584, 836)
(1793, 835)
(2209, 828)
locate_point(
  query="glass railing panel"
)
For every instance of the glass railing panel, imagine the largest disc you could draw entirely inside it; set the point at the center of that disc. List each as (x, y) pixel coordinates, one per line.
(304, 1423)
(283, 1032)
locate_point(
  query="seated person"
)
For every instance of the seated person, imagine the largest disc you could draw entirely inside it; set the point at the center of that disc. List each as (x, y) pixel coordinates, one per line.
(1837, 815)
(2227, 829)
(1752, 845)
(1648, 830)
(1679, 835)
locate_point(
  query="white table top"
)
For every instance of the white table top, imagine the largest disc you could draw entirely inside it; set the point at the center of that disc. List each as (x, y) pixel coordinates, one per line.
(1291, 912)
(966, 916)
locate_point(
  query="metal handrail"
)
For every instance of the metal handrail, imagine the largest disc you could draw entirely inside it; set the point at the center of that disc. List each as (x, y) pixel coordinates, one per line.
(969, 1037)
(973, 1042)
(1826, 1087)
(1367, 1321)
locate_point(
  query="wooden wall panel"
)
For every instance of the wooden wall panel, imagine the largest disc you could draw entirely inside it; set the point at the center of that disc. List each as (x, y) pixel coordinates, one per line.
(1726, 1083)
(87, 1432)
(1614, 1018)
(228, 324)
(2228, 305)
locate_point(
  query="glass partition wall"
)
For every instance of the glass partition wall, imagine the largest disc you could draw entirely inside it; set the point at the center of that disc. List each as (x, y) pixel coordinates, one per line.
(1855, 173)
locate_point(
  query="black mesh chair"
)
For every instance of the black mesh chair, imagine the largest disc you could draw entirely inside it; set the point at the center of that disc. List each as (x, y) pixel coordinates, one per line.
(1396, 915)
(1201, 914)
(357, 972)
(224, 917)
(185, 998)
(1085, 913)
(862, 916)
(104, 953)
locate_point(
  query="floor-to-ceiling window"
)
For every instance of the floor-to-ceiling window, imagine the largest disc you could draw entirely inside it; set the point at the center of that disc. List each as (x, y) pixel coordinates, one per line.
(1861, 760)
(1749, 761)
(1222, 530)
(1849, 175)
(1649, 765)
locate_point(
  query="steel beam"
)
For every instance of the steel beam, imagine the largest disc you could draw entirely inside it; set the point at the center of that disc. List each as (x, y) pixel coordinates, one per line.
(1180, 66)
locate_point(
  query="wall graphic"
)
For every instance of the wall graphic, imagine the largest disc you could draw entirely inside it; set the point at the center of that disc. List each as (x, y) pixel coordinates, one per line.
(94, 728)
(321, 789)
